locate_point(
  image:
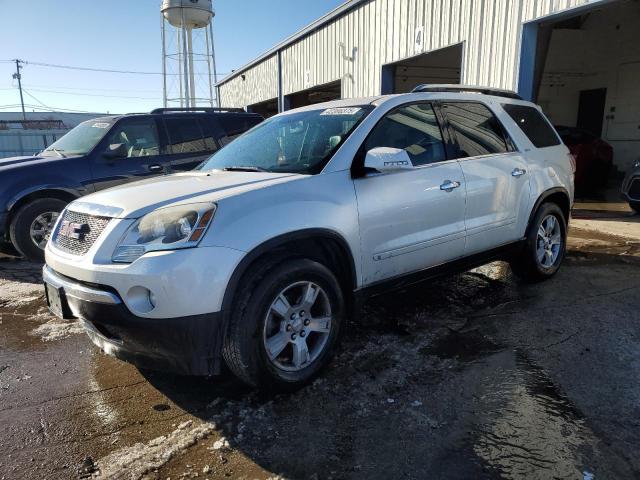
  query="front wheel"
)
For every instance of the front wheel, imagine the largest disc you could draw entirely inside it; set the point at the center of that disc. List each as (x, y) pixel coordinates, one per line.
(32, 226)
(285, 324)
(545, 245)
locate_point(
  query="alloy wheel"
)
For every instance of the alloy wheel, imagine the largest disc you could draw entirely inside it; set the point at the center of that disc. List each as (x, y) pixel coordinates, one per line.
(297, 326)
(41, 228)
(549, 241)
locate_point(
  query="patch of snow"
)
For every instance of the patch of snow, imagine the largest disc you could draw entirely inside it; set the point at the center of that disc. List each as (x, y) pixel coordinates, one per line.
(57, 329)
(135, 462)
(220, 444)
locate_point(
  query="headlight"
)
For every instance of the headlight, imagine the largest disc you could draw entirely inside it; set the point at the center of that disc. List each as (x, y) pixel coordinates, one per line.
(165, 229)
(637, 164)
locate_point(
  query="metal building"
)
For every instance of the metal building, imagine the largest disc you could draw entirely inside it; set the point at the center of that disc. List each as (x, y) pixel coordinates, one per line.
(19, 137)
(579, 59)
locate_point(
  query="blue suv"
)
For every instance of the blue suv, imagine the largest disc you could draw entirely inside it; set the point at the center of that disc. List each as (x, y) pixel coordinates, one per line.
(102, 153)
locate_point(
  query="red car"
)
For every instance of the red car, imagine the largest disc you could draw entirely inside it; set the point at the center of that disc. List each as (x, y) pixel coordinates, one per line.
(594, 158)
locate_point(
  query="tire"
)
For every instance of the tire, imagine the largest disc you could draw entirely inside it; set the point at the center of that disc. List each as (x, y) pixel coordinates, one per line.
(255, 318)
(635, 206)
(20, 227)
(530, 265)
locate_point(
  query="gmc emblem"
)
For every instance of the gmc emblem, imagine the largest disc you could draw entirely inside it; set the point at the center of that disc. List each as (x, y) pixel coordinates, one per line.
(73, 230)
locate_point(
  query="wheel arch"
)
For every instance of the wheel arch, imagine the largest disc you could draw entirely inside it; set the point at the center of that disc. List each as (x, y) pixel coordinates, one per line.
(64, 194)
(558, 195)
(322, 245)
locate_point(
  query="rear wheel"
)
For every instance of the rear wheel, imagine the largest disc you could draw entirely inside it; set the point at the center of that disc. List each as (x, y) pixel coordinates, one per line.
(32, 226)
(545, 245)
(285, 324)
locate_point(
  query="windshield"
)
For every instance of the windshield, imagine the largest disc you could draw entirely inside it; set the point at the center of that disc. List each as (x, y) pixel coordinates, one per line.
(80, 140)
(296, 143)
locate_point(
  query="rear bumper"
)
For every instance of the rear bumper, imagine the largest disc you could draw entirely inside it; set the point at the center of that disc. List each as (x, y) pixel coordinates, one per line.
(188, 345)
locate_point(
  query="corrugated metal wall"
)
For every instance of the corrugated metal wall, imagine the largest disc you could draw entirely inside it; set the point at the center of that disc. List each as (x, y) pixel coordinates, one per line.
(354, 47)
(260, 84)
(16, 143)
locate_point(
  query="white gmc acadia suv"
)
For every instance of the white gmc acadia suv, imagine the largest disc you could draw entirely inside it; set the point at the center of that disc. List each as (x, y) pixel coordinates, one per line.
(259, 256)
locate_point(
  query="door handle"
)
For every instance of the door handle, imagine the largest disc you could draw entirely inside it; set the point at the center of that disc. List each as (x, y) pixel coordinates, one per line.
(448, 185)
(518, 172)
(155, 168)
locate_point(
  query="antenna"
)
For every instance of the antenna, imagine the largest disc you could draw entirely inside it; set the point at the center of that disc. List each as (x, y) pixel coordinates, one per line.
(188, 54)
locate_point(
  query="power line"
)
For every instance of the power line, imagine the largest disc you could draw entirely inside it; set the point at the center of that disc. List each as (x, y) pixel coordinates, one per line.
(45, 106)
(92, 69)
(47, 109)
(93, 94)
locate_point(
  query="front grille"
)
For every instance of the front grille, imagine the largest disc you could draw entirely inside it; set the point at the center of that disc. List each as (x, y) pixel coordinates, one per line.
(634, 189)
(93, 226)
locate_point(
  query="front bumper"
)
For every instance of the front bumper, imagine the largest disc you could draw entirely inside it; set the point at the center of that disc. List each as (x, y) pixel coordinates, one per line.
(189, 345)
(631, 188)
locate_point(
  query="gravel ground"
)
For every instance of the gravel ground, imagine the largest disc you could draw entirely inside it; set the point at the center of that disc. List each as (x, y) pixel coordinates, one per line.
(472, 376)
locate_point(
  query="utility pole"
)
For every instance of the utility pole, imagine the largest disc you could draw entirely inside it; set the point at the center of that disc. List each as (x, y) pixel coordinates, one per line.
(19, 78)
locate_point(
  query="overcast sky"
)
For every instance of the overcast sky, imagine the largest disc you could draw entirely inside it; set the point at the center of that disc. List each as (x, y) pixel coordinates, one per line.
(124, 35)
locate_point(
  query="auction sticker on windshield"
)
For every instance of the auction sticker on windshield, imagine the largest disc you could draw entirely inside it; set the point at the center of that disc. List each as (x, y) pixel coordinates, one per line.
(341, 111)
(100, 125)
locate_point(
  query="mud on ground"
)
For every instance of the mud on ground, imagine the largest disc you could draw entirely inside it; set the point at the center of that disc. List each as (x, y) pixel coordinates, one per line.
(472, 376)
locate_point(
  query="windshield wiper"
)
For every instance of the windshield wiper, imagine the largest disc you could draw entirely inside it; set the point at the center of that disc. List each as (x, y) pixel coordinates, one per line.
(59, 152)
(244, 169)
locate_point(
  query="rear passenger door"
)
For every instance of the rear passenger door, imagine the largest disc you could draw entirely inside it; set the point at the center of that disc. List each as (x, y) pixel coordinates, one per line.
(190, 140)
(495, 176)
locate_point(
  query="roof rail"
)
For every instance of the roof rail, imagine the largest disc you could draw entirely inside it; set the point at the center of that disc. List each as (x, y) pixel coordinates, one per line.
(497, 92)
(198, 109)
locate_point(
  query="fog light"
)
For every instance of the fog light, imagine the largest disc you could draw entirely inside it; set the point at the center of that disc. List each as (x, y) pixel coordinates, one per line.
(140, 300)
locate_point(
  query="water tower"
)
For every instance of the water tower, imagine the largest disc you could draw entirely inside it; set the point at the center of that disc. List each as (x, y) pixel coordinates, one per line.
(188, 55)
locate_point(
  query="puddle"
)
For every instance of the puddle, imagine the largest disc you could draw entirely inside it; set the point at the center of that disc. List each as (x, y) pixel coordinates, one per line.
(536, 432)
(465, 347)
(524, 426)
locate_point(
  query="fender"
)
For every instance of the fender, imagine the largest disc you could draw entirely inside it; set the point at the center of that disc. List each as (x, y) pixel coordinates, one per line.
(543, 196)
(76, 192)
(306, 234)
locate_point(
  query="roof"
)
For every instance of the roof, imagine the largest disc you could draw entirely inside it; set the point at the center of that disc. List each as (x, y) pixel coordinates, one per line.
(454, 92)
(309, 29)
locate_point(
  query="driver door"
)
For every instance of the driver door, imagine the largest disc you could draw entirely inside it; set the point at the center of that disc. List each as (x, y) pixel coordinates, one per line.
(131, 152)
(410, 219)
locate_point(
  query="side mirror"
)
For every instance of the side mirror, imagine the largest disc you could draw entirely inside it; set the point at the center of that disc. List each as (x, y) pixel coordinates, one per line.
(116, 150)
(386, 159)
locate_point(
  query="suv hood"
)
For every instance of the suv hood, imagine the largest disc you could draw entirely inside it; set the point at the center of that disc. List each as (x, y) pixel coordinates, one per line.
(14, 161)
(139, 198)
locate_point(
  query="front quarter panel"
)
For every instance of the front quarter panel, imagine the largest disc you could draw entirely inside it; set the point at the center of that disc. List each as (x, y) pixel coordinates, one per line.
(325, 201)
(69, 175)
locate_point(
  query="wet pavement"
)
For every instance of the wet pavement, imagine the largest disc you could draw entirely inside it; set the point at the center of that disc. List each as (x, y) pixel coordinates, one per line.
(472, 376)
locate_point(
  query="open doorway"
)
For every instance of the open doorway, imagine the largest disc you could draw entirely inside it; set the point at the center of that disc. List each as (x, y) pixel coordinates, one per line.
(439, 66)
(321, 93)
(585, 73)
(266, 109)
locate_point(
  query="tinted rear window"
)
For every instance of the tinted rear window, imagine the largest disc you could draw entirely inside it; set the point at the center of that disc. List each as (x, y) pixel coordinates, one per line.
(533, 124)
(236, 125)
(477, 130)
(185, 135)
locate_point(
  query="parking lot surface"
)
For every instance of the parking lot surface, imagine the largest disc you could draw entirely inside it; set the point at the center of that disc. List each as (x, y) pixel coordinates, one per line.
(472, 376)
